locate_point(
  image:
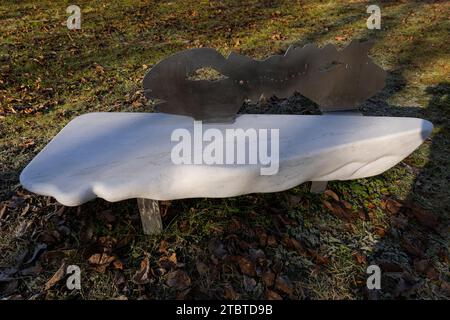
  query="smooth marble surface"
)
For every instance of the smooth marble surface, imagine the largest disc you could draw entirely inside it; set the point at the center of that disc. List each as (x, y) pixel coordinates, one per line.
(117, 156)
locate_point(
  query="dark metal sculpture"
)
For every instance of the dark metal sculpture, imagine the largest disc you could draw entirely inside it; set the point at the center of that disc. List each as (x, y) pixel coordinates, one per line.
(334, 79)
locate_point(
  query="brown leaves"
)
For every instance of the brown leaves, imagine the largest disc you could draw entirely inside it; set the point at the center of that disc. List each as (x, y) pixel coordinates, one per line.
(229, 293)
(202, 268)
(57, 276)
(272, 295)
(178, 280)
(163, 246)
(340, 38)
(391, 206)
(217, 248)
(283, 284)
(340, 208)
(331, 194)
(101, 261)
(411, 209)
(379, 231)
(268, 278)
(142, 276)
(361, 259)
(168, 262)
(99, 69)
(337, 210)
(247, 266)
(3, 206)
(319, 259)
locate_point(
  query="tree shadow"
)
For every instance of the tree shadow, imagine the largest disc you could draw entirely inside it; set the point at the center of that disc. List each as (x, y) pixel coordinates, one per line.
(412, 249)
(413, 252)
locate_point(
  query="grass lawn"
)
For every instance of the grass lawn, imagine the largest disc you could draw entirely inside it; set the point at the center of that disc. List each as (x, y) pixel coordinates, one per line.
(287, 245)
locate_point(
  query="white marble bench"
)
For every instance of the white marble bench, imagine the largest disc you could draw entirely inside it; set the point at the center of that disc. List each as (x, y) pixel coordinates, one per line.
(118, 156)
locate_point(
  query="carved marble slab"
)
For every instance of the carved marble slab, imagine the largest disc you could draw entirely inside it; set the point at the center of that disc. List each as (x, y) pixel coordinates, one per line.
(117, 156)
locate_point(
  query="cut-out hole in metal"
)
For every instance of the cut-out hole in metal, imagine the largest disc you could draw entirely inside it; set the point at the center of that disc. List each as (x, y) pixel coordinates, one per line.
(206, 73)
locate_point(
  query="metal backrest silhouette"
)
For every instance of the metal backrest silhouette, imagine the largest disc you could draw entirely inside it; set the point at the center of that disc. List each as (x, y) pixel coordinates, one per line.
(334, 79)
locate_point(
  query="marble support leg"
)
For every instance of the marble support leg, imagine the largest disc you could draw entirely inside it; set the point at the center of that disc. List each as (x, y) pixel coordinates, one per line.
(150, 216)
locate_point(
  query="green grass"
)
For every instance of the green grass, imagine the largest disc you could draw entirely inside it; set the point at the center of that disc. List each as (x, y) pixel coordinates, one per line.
(49, 75)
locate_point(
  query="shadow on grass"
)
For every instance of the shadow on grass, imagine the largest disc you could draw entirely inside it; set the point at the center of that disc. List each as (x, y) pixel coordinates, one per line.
(412, 253)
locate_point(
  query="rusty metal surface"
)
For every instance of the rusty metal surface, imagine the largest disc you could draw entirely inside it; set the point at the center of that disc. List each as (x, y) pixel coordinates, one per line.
(334, 79)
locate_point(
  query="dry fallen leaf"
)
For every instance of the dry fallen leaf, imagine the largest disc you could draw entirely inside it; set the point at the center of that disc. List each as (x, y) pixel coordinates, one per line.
(101, 261)
(229, 293)
(201, 267)
(346, 204)
(392, 206)
(173, 258)
(331, 194)
(318, 258)
(361, 259)
(99, 69)
(117, 264)
(168, 262)
(340, 38)
(338, 211)
(268, 278)
(181, 295)
(379, 231)
(178, 280)
(272, 295)
(217, 248)
(142, 276)
(247, 266)
(108, 243)
(57, 276)
(282, 283)
(163, 245)
(3, 207)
